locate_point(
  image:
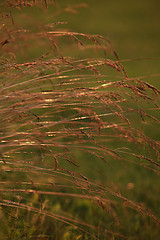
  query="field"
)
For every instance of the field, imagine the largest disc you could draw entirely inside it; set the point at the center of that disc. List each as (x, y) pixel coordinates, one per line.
(79, 120)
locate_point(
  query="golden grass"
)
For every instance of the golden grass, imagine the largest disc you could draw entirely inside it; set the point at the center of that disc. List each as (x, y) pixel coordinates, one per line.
(57, 106)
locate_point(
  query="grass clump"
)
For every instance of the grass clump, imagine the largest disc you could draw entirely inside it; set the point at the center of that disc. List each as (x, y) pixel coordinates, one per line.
(72, 127)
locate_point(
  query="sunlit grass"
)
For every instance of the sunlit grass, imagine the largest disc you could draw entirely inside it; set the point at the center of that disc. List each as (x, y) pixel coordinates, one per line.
(73, 141)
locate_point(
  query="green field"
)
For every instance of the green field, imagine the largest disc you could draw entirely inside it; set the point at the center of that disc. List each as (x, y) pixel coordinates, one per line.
(79, 134)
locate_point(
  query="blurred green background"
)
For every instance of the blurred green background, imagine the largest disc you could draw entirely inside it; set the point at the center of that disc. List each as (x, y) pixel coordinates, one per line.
(133, 28)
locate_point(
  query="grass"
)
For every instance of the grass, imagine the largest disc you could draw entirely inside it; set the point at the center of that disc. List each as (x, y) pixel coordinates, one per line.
(77, 160)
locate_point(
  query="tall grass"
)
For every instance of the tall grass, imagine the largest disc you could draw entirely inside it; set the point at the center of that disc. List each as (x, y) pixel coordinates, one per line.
(67, 103)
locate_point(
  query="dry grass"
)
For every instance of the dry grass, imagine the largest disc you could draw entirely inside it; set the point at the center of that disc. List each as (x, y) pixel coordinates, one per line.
(59, 108)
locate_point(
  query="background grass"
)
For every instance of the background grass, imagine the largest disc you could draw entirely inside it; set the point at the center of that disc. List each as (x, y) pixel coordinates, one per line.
(132, 27)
